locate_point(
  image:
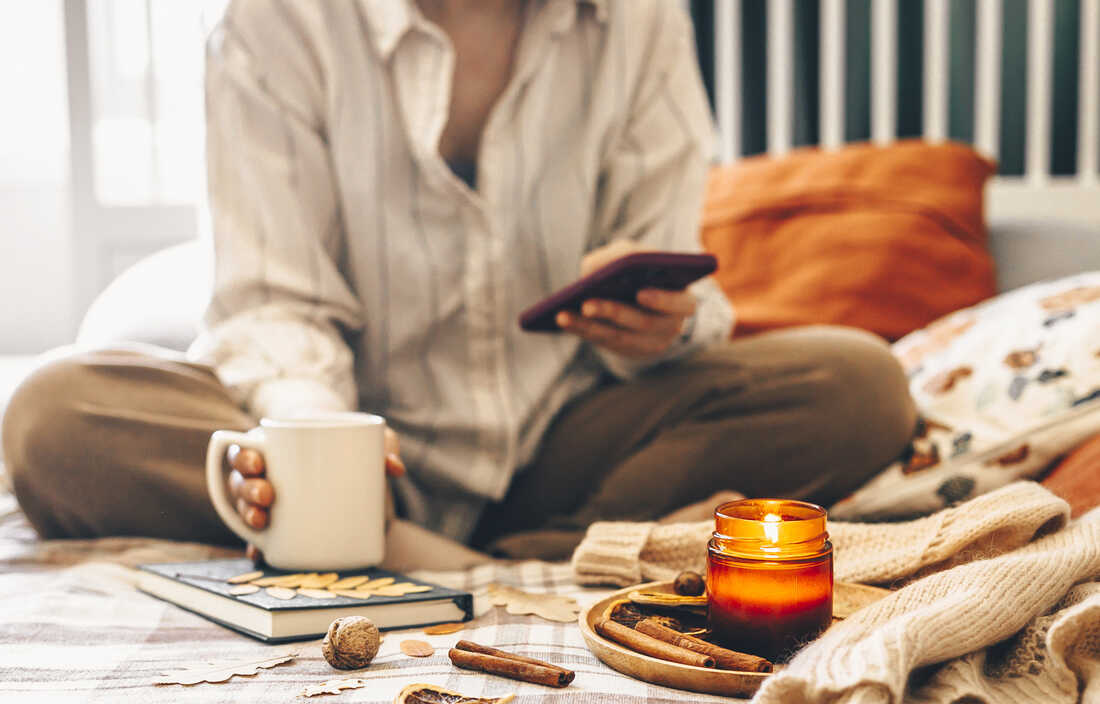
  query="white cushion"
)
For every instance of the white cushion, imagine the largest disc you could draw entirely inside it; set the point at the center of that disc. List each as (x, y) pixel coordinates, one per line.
(160, 301)
(1004, 388)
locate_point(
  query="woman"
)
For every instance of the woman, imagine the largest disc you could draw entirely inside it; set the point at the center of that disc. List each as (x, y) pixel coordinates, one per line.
(391, 182)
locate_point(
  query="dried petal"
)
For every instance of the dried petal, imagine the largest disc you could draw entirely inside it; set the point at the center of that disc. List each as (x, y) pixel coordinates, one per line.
(290, 581)
(443, 629)
(347, 582)
(319, 581)
(280, 580)
(417, 648)
(242, 589)
(394, 590)
(375, 583)
(246, 577)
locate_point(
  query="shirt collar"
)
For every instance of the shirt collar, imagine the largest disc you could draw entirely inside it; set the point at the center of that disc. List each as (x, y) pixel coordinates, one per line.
(389, 20)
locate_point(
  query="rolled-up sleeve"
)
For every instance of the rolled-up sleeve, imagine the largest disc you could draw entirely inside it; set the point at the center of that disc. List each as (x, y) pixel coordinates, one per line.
(654, 176)
(276, 328)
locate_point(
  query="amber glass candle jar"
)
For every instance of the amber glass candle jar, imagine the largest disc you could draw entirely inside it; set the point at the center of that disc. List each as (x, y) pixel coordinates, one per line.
(769, 576)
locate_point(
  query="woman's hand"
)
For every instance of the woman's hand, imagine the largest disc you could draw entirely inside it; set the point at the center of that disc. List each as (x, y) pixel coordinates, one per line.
(253, 493)
(639, 331)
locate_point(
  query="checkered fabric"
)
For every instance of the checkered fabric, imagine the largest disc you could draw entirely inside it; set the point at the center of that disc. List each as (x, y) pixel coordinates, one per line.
(74, 628)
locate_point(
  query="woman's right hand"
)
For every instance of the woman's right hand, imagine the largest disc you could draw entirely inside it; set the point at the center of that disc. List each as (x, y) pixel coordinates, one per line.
(254, 495)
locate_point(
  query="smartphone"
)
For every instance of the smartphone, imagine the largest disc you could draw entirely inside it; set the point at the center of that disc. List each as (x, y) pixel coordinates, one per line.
(619, 280)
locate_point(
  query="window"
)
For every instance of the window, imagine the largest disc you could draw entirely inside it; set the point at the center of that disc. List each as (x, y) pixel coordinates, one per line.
(145, 61)
(135, 113)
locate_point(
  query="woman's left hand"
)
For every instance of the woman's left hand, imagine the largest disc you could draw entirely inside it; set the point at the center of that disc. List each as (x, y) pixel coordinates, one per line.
(647, 329)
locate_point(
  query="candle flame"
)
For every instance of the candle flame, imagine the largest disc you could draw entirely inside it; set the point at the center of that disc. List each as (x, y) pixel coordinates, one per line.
(771, 527)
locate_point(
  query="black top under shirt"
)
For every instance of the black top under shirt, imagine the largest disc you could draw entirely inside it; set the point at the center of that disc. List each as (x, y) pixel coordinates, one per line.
(465, 170)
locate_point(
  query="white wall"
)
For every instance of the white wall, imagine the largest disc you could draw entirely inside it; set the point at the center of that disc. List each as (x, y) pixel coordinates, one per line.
(36, 260)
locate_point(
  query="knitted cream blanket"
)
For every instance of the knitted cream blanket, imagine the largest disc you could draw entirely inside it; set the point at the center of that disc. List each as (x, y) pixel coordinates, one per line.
(999, 593)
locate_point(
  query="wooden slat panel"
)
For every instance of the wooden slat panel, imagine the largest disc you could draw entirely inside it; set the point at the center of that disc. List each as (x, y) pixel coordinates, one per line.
(935, 70)
(1058, 198)
(831, 92)
(1040, 34)
(987, 81)
(1088, 122)
(884, 70)
(727, 76)
(780, 75)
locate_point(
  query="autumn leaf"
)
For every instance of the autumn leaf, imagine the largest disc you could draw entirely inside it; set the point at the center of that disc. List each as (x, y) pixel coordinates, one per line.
(333, 686)
(551, 607)
(220, 673)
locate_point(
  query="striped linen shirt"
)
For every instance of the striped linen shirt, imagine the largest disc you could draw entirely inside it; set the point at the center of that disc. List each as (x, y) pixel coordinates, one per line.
(354, 269)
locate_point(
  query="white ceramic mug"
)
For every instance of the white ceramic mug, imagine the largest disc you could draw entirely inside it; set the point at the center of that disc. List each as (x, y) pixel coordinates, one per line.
(327, 471)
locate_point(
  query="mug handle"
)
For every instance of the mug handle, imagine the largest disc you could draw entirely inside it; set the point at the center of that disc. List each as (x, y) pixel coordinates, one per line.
(215, 482)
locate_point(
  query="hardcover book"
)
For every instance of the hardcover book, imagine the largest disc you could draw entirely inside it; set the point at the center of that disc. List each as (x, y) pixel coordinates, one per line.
(286, 606)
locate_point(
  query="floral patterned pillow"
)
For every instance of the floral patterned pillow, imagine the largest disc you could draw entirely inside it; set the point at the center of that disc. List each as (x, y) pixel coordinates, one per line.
(1004, 388)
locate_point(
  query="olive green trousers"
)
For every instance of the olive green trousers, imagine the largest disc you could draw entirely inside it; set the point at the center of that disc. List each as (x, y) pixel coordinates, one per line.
(113, 442)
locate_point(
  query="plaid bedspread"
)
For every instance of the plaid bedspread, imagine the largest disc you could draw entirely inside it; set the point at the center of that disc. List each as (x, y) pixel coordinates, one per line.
(74, 628)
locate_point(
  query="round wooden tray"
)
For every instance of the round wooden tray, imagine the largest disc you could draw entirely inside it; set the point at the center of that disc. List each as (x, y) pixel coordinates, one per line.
(847, 598)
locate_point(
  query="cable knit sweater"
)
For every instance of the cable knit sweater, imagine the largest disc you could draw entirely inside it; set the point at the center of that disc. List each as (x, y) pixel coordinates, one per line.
(1002, 566)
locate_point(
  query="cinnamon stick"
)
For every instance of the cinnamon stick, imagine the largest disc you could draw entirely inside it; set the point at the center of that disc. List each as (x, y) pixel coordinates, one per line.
(486, 650)
(723, 658)
(648, 645)
(511, 667)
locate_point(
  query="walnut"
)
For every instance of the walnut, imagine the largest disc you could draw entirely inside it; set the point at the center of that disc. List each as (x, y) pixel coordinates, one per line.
(351, 643)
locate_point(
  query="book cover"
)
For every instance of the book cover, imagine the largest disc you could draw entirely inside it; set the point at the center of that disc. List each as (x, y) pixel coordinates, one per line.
(202, 588)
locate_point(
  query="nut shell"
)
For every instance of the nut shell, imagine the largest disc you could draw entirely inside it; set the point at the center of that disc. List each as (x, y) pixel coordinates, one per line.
(351, 643)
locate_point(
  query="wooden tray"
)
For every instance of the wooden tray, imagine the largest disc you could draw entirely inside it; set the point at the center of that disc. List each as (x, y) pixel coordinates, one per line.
(847, 598)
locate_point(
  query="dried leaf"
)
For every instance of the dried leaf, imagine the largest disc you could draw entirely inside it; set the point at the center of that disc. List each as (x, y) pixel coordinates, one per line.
(319, 581)
(246, 577)
(281, 592)
(317, 593)
(242, 589)
(221, 673)
(417, 648)
(375, 583)
(443, 629)
(548, 606)
(347, 583)
(352, 594)
(333, 687)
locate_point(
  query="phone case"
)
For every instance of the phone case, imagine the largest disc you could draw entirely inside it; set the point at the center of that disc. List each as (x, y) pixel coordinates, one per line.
(620, 281)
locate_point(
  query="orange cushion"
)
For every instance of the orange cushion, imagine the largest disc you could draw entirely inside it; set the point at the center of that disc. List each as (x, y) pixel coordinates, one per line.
(1077, 478)
(883, 238)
